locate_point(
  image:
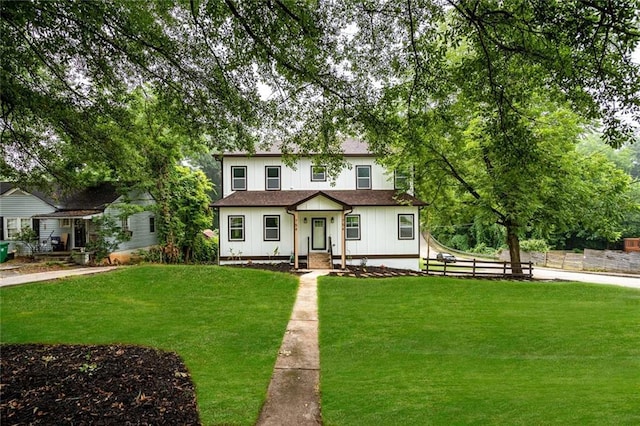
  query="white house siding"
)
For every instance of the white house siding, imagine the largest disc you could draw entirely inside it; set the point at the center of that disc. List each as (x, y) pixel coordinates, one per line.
(254, 247)
(139, 226)
(379, 237)
(300, 178)
(378, 234)
(20, 204)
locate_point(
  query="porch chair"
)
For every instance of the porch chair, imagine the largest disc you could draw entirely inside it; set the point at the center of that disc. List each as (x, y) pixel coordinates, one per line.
(63, 241)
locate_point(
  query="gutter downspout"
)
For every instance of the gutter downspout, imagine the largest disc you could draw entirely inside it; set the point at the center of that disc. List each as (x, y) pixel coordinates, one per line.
(343, 238)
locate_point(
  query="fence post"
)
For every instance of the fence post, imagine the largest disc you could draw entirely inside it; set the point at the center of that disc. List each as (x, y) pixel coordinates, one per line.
(444, 270)
(474, 267)
(504, 269)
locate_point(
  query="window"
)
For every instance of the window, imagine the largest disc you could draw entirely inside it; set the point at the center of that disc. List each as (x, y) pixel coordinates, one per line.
(272, 228)
(152, 224)
(318, 174)
(239, 178)
(405, 226)
(15, 225)
(124, 224)
(400, 180)
(352, 226)
(236, 228)
(363, 177)
(272, 174)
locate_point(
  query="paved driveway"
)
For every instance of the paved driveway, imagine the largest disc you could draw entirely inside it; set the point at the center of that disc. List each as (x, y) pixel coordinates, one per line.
(550, 274)
(52, 275)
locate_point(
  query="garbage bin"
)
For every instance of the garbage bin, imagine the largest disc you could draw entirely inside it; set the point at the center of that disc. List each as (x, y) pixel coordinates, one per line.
(4, 251)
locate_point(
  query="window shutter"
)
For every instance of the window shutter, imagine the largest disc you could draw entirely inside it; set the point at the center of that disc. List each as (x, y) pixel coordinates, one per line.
(1, 228)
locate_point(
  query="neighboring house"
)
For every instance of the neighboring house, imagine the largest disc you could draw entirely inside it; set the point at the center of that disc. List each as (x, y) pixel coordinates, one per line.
(272, 212)
(67, 221)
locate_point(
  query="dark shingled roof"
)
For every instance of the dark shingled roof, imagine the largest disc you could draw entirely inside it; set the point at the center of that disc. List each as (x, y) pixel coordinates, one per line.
(348, 198)
(94, 198)
(350, 147)
(90, 199)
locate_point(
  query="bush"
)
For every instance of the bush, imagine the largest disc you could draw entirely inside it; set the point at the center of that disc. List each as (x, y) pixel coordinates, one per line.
(534, 245)
(152, 255)
(204, 250)
(483, 249)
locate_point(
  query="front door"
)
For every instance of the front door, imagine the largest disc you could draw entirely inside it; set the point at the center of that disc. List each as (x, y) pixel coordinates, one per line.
(79, 233)
(319, 233)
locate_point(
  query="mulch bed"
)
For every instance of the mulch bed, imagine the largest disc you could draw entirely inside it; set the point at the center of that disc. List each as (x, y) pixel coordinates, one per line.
(94, 385)
(350, 271)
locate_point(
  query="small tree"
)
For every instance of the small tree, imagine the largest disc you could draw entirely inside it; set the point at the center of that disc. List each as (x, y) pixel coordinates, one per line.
(27, 237)
(109, 235)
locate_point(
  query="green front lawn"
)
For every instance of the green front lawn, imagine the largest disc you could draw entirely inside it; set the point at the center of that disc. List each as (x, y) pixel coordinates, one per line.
(445, 351)
(226, 323)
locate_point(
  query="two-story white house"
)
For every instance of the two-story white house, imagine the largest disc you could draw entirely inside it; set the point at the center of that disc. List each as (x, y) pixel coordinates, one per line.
(270, 211)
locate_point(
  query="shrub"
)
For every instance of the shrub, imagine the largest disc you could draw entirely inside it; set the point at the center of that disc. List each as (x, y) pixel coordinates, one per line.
(534, 245)
(204, 250)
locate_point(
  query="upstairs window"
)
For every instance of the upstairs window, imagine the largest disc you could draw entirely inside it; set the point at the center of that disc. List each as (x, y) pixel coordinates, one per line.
(363, 177)
(272, 174)
(401, 180)
(352, 227)
(318, 174)
(152, 224)
(405, 227)
(236, 228)
(239, 178)
(272, 228)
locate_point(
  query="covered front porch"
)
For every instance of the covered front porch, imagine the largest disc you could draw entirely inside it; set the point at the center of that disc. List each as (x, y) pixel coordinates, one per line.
(66, 231)
(319, 231)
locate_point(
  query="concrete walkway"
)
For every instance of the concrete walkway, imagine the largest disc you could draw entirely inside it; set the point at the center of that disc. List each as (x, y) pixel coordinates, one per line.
(51, 275)
(293, 397)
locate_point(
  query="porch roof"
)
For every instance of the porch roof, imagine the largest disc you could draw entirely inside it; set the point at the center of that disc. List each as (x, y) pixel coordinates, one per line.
(70, 214)
(292, 199)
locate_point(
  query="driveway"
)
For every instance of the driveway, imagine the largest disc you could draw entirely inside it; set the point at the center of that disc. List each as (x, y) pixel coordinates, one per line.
(595, 278)
(51, 275)
(556, 274)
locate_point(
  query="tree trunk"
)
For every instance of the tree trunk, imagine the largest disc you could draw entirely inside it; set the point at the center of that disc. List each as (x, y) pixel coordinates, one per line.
(514, 250)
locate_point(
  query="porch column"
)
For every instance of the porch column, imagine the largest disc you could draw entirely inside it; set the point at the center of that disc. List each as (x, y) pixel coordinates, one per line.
(343, 240)
(295, 240)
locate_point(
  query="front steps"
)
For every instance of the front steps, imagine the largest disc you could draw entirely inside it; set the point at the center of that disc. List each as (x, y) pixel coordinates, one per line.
(319, 261)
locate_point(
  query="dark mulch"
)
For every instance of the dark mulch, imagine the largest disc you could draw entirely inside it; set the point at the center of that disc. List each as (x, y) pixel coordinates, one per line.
(94, 385)
(350, 271)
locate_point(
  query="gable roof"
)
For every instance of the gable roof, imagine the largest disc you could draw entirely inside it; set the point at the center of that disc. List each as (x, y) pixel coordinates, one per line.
(85, 203)
(291, 199)
(7, 188)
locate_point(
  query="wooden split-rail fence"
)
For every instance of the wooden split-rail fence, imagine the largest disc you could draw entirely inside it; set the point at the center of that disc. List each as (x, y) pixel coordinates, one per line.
(477, 268)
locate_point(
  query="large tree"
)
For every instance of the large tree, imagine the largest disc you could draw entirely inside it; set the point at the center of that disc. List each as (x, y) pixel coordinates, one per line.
(67, 67)
(449, 75)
